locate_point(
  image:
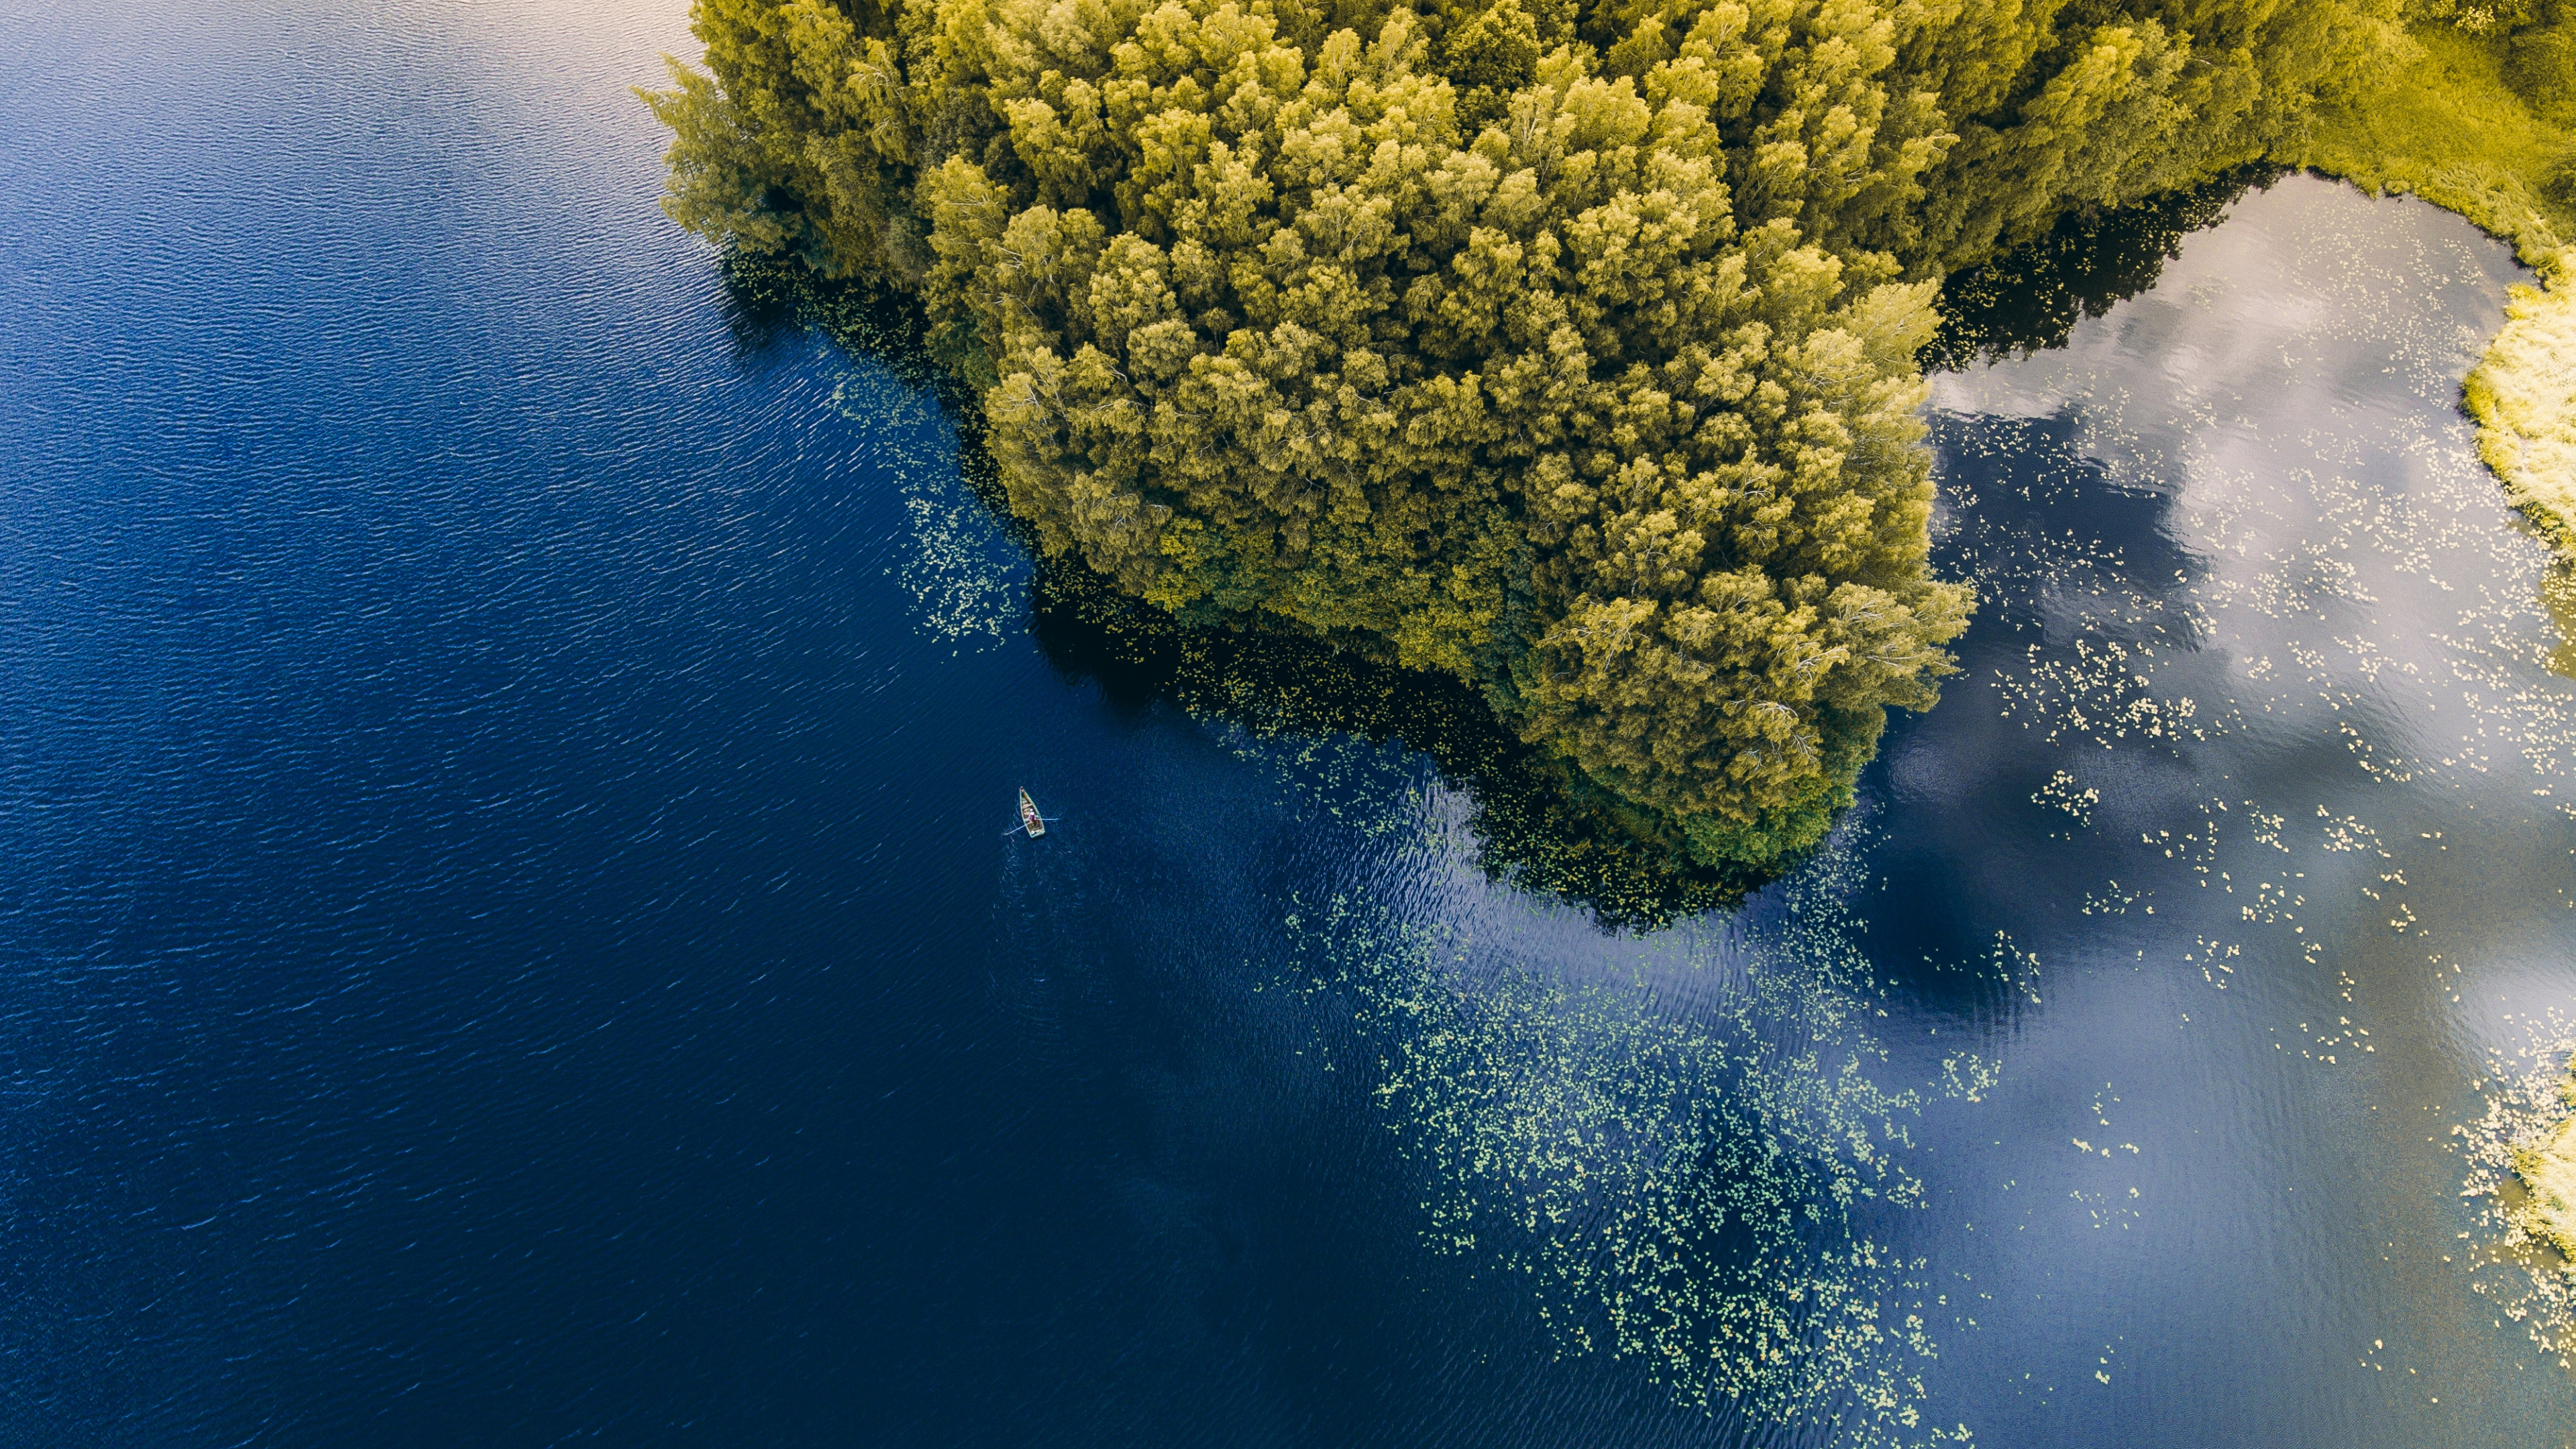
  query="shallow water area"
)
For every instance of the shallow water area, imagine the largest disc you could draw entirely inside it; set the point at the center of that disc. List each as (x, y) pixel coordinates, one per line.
(508, 935)
(2269, 671)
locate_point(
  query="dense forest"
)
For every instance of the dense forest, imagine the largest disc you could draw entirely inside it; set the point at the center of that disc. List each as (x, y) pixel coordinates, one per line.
(1566, 350)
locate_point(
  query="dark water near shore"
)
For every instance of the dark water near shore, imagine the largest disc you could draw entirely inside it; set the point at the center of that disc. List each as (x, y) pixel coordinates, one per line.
(506, 935)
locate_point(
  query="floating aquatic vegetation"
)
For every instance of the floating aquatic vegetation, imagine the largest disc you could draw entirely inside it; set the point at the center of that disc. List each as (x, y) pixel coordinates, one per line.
(2096, 695)
(967, 570)
(1969, 1076)
(2064, 792)
(2219, 594)
(2348, 833)
(2278, 566)
(2016, 968)
(966, 575)
(2338, 592)
(2522, 1168)
(1689, 1187)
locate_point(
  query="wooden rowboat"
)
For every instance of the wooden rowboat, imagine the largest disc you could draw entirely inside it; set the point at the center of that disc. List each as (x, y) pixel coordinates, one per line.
(1030, 819)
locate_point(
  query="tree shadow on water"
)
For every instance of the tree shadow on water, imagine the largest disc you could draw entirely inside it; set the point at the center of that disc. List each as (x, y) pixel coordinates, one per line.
(768, 300)
(1535, 825)
(2030, 298)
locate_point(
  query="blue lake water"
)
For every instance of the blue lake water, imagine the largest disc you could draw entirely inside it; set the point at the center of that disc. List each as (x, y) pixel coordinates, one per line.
(506, 935)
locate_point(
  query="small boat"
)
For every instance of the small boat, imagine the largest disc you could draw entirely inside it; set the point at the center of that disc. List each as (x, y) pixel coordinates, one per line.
(1030, 819)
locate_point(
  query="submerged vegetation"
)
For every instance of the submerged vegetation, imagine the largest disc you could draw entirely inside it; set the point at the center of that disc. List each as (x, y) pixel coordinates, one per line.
(1565, 351)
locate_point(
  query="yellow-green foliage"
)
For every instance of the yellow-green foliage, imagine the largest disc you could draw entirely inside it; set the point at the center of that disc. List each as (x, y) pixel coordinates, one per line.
(795, 145)
(1565, 350)
(2523, 395)
(2548, 1170)
(1349, 370)
(2446, 125)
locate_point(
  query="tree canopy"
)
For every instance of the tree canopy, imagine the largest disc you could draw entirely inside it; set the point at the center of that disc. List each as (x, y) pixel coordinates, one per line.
(1568, 351)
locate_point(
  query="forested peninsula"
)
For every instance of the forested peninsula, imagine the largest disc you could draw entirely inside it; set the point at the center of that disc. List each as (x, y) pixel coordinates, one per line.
(1566, 350)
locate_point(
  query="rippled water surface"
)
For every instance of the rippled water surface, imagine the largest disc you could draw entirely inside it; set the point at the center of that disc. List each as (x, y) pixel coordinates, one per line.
(506, 935)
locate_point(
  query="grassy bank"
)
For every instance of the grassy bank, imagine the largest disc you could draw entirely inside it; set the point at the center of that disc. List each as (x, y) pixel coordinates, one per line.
(2448, 126)
(2548, 1169)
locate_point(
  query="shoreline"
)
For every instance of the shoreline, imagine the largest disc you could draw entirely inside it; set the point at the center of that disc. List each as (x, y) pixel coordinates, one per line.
(2522, 393)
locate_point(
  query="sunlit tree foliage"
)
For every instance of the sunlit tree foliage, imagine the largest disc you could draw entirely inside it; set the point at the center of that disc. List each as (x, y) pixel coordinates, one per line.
(1568, 351)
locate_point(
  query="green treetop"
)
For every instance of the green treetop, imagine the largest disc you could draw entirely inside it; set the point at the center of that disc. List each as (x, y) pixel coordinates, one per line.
(1567, 352)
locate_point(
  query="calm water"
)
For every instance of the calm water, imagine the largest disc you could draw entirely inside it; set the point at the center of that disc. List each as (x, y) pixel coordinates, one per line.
(506, 935)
